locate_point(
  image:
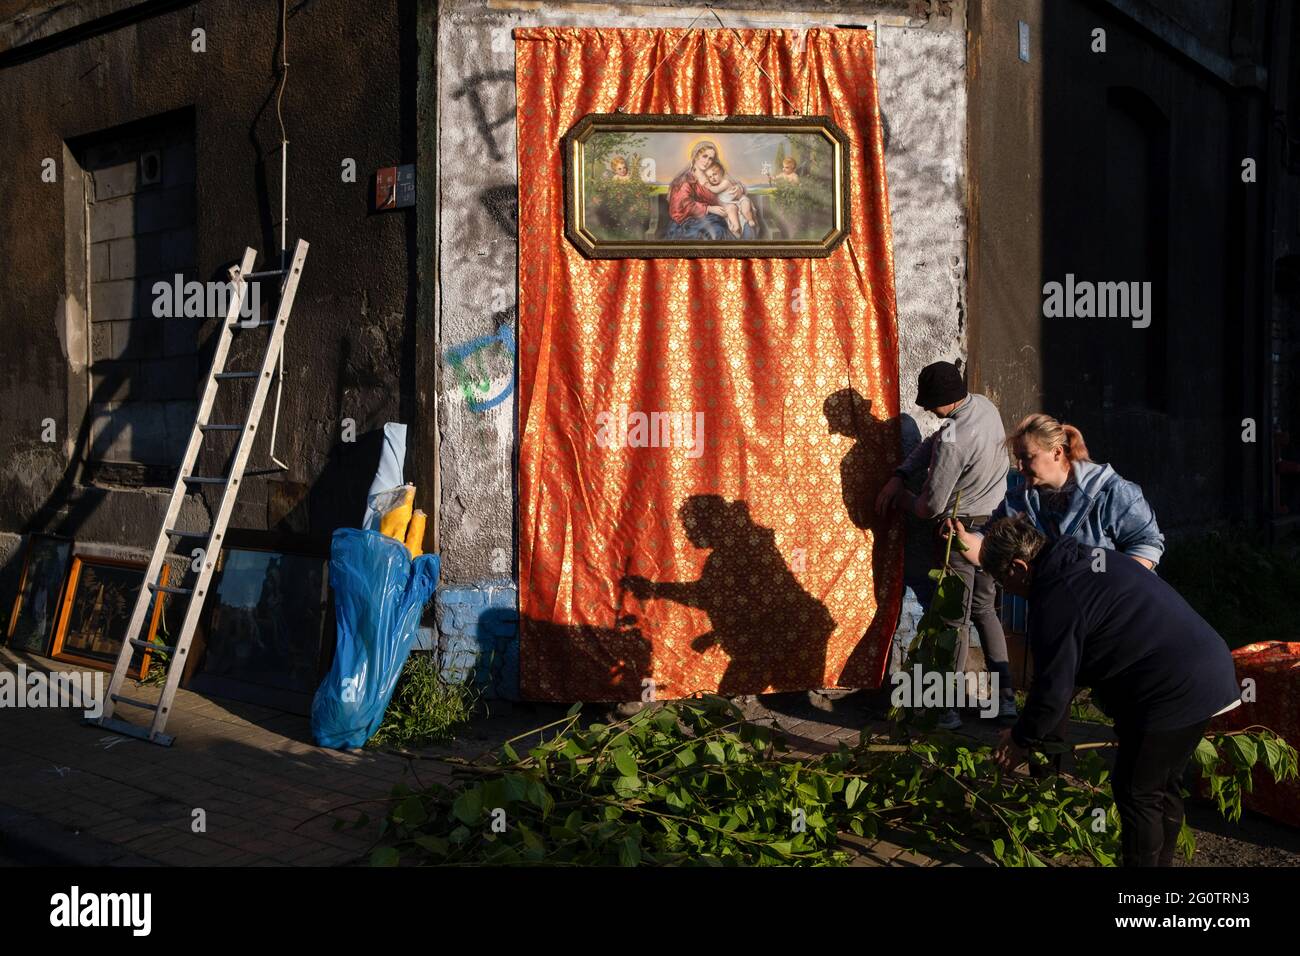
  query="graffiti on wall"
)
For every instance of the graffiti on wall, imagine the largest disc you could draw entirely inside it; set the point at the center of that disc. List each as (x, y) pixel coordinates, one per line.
(480, 389)
(502, 205)
(469, 91)
(478, 231)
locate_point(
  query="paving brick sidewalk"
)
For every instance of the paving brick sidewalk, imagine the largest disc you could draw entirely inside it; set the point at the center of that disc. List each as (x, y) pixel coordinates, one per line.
(78, 794)
(264, 787)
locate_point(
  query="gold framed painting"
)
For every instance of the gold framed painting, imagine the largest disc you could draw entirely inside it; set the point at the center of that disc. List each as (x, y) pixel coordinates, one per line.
(672, 186)
(97, 604)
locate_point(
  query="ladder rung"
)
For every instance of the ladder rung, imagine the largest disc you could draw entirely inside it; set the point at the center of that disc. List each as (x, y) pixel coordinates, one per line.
(221, 428)
(118, 698)
(205, 480)
(165, 589)
(261, 323)
(151, 646)
(187, 534)
(226, 376)
(265, 272)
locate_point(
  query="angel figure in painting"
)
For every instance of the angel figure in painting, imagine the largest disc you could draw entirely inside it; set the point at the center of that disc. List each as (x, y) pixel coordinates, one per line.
(618, 169)
(787, 173)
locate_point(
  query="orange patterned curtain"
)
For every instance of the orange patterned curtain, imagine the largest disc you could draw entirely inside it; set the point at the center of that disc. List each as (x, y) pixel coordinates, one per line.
(751, 562)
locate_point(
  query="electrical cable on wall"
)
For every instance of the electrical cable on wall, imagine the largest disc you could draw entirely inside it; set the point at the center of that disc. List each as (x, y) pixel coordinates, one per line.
(284, 179)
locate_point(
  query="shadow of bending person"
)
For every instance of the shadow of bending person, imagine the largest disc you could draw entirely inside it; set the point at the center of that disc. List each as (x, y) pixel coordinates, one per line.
(774, 632)
(864, 469)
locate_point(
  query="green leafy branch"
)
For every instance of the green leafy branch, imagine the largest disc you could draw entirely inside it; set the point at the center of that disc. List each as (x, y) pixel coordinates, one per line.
(692, 782)
(1227, 764)
(935, 645)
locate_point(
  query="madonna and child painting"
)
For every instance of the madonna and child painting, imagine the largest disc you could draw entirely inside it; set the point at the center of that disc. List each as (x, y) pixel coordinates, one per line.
(743, 186)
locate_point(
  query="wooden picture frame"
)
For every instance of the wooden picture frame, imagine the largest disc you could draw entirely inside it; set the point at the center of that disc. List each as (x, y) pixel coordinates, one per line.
(654, 186)
(114, 618)
(45, 567)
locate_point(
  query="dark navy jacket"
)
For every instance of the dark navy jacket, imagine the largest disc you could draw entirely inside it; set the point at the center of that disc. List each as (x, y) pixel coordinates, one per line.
(1152, 662)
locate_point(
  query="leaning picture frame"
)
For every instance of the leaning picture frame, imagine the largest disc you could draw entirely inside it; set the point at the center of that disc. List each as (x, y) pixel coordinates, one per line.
(97, 603)
(650, 186)
(40, 593)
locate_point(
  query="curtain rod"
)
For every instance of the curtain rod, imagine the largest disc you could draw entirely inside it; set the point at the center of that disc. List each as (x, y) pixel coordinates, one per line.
(825, 19)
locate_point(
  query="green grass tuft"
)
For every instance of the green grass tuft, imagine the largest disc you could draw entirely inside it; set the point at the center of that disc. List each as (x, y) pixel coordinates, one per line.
(426, 707)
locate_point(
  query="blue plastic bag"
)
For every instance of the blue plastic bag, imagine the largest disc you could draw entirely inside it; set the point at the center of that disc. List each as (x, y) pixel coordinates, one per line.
(379, 595)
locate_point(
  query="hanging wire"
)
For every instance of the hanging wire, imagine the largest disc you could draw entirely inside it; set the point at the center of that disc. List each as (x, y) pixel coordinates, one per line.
(689, 27)
(806, 62)
(662, 60)
(284, 139)
(284, 224)
(754, 59)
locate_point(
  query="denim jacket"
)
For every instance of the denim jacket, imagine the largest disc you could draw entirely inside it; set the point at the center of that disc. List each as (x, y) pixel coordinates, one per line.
(1105, 512)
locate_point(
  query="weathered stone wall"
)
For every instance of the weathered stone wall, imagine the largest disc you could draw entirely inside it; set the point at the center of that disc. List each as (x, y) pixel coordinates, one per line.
(349, 343)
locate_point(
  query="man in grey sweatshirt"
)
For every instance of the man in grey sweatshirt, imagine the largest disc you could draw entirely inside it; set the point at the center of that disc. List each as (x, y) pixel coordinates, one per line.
(967, 455)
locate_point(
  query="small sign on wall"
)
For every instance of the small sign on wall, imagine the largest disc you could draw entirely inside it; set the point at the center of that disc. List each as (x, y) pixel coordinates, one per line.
(1024, 39)
(395, 187)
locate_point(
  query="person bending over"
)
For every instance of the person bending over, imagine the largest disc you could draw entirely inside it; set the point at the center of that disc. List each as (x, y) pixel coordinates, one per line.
(1100, 620)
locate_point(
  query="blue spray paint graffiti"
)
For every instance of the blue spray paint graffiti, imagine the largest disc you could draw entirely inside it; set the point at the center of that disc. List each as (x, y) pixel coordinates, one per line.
(477, 386)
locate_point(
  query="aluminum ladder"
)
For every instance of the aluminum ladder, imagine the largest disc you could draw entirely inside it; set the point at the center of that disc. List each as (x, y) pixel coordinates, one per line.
(185, 478)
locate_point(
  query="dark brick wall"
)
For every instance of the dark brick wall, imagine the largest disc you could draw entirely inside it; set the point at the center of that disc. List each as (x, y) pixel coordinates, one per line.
(142, 230)
(350, 345)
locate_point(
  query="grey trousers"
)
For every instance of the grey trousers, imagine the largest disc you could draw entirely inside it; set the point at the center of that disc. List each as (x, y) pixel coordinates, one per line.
(981, 591)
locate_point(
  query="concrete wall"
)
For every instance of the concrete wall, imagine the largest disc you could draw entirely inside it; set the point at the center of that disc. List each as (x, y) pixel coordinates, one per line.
(1004, 102)
(922, 78)
(349, 345)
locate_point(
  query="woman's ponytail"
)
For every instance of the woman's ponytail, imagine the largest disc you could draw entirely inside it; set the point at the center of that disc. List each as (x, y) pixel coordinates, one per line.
(1075, 447)
(1047, 433)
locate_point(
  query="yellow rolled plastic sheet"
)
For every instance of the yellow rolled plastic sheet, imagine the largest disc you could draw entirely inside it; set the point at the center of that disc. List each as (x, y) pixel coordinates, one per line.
(395, 519)
(415, 534)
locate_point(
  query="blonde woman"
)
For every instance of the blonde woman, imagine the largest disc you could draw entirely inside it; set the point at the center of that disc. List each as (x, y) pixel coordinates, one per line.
(1066, 494)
